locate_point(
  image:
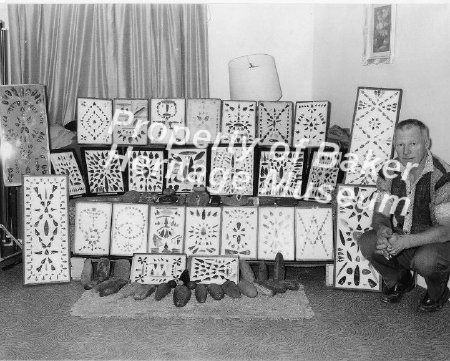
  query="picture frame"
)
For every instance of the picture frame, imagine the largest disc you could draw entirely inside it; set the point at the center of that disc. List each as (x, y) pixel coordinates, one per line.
(213, 269)
(157, 268)
(379, 34)
(65, 161)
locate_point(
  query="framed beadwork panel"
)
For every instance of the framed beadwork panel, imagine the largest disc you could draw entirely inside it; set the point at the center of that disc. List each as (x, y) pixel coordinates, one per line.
(275, 122)
(129, 229)
(314, 234)
(203, 115)
(46, 252)
(239, 232)
(166, 232)
(214, 269)
(311, 122)
(66, 162)
(239, 121)
(231, 171)
(146, 170)
(202, 233)
(92, 228)
(323, 176)
(94, 118)
(354, 216)
(165, 114)
(186, 169)
(376, 113)
(23, 132)
(103, 170)
(276, 232)
(134, 133)
(280, 173)
(152, 268)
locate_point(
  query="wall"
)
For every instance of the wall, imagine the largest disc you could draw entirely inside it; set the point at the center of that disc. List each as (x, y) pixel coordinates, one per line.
(421, 64)
(284, 31)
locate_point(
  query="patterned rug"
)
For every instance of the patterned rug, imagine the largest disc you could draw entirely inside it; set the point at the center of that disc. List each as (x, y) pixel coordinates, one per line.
(292, 305)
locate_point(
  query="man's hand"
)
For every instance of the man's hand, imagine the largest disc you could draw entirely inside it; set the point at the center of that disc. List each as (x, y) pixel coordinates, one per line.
(383, 245)
(397, 244)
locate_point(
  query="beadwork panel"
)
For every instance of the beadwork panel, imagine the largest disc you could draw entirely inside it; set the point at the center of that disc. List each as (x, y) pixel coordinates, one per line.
(157, 268)
(146, 171)
(280, 174)
(214, 269)
(131, 134)
(94, 121)
(186, 169)
(166, 234)
(46, 250)
(231, 171)
(239, 121)
(66, 163)
(103, 175)
(239, 232)
(129, 229)
(314, 234)
(203, 115)
(276, 233)
(92, 228)
(311, 122)
(23, 132)
(354, 216)
(275, 122)
(168, 113)
(202, 235)
(376, 114)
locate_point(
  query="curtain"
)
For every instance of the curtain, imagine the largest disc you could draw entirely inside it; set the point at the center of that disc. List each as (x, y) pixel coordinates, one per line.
(109, 51)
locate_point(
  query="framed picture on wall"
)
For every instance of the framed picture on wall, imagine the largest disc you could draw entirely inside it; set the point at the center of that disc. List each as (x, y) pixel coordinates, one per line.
(379, 34)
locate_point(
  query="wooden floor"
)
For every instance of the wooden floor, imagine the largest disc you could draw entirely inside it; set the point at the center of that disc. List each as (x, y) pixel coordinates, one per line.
(35, 323)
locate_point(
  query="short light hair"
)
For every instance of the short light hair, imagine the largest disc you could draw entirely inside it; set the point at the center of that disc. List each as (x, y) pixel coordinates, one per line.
(409, 123)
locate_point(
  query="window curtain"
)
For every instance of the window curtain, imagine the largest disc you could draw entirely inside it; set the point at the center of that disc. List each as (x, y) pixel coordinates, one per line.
(109, 51)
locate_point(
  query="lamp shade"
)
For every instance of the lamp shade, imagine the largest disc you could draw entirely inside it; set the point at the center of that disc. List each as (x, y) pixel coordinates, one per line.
(254, 77)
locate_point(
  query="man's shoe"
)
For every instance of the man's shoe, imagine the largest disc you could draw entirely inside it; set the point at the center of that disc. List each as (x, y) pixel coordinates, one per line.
(429, 305)
(395, 294)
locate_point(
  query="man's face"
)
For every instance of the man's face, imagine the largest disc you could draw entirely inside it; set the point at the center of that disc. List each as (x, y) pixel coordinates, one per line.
(411, 146)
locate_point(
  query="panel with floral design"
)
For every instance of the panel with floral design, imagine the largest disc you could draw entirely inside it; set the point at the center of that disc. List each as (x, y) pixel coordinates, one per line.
(311, 122)
(157, 268)
(166, 234)
(167, 113)
(46, 250)
(129, 229)
(145, 171)
(214, 269)
(276, 233)
(23, 132)
(354, 216)
(231, 171)
(280, 174)
(376, 114)
(202, 235)
(275, 122)
(186, 169)
(239, 232)
(94, 118)
(92, 228)
(203, 115)
(128, 134)
(239, 121)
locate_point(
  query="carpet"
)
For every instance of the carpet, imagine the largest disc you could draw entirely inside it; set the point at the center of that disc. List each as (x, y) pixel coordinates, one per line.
(292, 305)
